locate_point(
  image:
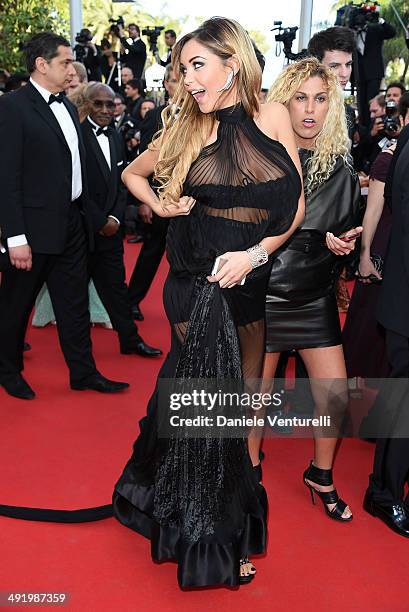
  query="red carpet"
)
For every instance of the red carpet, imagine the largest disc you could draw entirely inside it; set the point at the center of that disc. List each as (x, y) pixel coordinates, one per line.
(66, 449)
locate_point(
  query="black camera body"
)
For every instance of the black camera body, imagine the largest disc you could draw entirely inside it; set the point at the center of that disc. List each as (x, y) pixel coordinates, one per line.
(115, 24)
(357, 16)
(152, 33)
(287, 37)
(83, 37)
(128, 130)
(391, 121)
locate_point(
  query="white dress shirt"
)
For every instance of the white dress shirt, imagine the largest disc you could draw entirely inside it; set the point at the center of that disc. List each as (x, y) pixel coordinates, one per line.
(103, 142)
(70, 134)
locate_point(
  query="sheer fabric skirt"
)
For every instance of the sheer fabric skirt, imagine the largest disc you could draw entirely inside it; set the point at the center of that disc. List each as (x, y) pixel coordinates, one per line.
(198, 501)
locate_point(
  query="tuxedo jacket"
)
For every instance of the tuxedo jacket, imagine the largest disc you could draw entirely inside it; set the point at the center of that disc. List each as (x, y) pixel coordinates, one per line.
(393, 309)
(36, 171)
(136, 56)
(106, 193)
(371, 64)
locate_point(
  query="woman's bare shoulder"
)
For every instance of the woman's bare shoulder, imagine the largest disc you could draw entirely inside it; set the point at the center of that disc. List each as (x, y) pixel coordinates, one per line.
(271, 117)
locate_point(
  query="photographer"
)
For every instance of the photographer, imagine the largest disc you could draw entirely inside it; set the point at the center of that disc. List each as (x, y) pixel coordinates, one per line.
(383, 130)
(371, 31)
(134, 49)
(109, 65)
(88, 54)
(395, 91)
(170, 40)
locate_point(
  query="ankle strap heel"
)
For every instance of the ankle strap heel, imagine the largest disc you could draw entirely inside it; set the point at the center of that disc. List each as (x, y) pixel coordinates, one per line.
(321, 477)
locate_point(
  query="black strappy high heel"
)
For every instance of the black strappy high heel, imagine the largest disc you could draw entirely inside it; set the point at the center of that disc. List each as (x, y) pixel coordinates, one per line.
(324, 478)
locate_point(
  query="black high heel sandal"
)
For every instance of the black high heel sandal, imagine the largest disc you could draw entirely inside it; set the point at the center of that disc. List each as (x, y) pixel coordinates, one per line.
(249, 577)
(324, 478)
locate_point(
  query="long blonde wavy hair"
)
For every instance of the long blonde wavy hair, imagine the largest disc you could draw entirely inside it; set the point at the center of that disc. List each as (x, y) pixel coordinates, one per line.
(184, 135)
(332, 141)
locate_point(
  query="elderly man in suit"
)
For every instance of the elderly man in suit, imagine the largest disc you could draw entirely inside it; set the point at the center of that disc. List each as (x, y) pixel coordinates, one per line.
(42, 163)
(104, 165)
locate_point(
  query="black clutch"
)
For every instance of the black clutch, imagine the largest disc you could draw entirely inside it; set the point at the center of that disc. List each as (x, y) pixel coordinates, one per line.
(377, 261)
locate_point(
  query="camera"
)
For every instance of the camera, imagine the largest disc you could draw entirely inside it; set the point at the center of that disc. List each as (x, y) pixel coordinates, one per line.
(83, 37)
(152, 34)
(129, 130)
(115, 25)
(391, 121)
(357, 16)
(287, 37)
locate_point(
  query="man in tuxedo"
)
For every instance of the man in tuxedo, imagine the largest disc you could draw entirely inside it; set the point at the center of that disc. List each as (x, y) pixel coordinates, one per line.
(43, 188)
(371, 68)
(105, 161)
(134, 55)
(154, 244)
(170, 40)
(385, 495)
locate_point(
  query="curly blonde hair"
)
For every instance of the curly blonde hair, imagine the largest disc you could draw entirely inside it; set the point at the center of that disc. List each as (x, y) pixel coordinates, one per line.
(184, 135)
(332, 141)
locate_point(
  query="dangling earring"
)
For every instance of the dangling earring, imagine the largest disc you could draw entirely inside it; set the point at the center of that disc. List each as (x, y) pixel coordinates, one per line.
(228, 83)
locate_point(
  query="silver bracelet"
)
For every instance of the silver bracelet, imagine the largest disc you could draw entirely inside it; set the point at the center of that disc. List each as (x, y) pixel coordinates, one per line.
(258, 255)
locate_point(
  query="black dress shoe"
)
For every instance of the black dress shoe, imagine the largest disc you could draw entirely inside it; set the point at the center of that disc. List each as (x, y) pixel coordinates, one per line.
(18, 387)
(137, 313)
(394, 516)
(26, 346)
(135, 239)
(141, 349)
(97, 382)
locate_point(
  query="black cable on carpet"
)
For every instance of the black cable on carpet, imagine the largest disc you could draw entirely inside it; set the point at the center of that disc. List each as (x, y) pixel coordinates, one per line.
(83, 515)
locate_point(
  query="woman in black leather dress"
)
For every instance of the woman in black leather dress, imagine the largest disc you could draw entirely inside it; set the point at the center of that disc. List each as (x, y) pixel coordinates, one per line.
(229, 184)
(301, 307)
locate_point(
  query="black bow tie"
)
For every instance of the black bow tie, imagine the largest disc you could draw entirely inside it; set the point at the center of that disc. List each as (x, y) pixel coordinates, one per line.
(56, 98)
(101, 130)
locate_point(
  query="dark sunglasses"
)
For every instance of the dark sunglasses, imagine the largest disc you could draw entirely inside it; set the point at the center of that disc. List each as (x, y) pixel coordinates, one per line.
(102, 103)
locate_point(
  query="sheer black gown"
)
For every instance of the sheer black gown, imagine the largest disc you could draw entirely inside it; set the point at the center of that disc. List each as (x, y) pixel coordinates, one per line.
(198, 499)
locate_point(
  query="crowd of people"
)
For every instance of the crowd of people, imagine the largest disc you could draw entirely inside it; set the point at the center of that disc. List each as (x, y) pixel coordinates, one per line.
(280, 185)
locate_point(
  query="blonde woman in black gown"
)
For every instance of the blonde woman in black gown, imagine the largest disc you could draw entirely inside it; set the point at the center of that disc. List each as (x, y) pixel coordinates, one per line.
(230, 182)
(301, 307)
